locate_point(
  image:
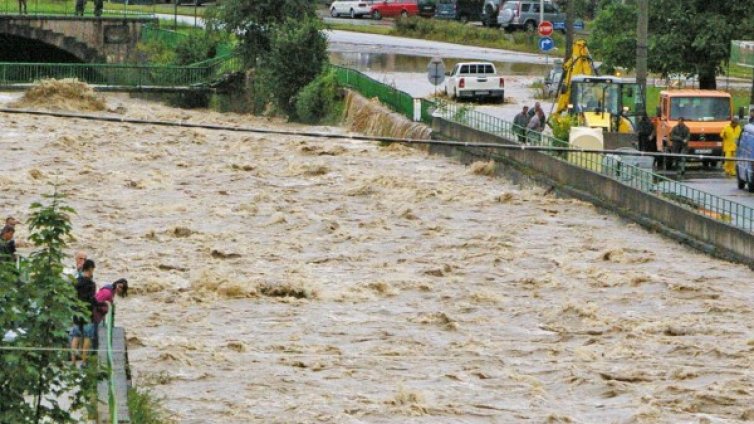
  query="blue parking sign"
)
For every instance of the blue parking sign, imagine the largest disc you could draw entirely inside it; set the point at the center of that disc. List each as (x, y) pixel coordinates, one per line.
(546, 44)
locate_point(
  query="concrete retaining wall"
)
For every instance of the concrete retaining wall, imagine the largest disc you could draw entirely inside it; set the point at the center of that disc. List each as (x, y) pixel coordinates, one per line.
(688, 226)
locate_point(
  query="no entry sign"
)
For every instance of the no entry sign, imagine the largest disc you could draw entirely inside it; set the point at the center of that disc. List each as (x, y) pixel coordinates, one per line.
(545, 28)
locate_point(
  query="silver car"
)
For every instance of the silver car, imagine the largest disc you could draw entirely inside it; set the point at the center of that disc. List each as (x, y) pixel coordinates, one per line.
(525, 15)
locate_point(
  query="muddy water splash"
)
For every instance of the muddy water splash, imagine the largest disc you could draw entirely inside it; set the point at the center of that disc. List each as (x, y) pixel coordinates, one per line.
(286, 279)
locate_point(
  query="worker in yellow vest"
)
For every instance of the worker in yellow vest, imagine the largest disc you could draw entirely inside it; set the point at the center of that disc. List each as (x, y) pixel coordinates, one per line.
(730, 135)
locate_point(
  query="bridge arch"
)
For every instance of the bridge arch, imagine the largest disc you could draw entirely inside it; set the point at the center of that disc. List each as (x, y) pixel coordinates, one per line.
(72, 47)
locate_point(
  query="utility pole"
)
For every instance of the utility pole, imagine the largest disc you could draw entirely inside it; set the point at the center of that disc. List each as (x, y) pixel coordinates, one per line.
(642, 28)
(570, 14)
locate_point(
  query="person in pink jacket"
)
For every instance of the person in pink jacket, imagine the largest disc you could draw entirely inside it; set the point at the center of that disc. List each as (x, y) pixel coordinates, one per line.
(107, 294)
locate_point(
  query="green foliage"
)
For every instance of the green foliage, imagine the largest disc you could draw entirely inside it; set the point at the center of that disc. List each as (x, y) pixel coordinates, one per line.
(561, 126)
(43, 307)
(156, 52)
(255, 20)
(691, 37)
(320, 101)
(298, 54)
(145, 408)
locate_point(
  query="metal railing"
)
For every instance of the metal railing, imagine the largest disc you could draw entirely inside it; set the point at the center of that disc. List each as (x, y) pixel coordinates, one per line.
(642, 179)
(111, 399)
(398, 100)
(122, 75)
(68, 8)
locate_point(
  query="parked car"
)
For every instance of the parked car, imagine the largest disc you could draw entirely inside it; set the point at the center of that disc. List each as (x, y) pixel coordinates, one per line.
(475, 80)
(393, 8)
(459, 10)
(427, 8)
(745, 150)
(524, 14)
(489, 13)
(353, 8)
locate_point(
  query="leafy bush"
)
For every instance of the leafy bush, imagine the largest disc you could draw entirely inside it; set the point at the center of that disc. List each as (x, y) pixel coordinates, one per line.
(320, 101)
(297, 55)
(145, 408)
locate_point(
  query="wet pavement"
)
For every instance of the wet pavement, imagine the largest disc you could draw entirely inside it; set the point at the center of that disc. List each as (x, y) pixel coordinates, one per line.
(279, 279)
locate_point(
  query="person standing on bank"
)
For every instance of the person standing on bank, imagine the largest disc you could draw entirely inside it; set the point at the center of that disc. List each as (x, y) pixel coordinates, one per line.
(730, 135)
(520, 122)
(646, 131)
(7, 244)
(679, 137)
(84, 330)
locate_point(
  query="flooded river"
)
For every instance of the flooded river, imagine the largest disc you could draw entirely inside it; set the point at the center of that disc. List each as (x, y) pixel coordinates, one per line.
(282, 279)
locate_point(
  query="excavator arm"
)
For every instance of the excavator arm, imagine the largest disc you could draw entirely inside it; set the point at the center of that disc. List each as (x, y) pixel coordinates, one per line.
(580, 63)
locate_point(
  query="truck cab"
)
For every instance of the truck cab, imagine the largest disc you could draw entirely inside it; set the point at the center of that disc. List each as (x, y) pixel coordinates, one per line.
(706, 113)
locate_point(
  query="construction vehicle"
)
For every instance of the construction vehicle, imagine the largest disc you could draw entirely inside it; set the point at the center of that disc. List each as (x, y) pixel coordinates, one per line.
(609, 103)
(706, 113)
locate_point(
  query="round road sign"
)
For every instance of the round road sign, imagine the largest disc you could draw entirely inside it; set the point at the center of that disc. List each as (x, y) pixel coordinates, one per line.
(545, 28)
(546, 44)
(436, 71)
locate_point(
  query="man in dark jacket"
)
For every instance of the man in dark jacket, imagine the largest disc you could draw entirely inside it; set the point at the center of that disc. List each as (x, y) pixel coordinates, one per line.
(520, 122)
(7, 244)
(645, 131)
(84, 327)
(679, 136)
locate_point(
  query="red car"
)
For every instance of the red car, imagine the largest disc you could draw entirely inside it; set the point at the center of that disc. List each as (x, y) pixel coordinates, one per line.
(391, 8)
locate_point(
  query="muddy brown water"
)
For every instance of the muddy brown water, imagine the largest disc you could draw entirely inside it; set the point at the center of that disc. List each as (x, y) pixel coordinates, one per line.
(288, 279)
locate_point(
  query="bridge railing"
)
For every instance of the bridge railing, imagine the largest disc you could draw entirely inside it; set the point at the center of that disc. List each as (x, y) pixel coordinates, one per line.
(108, 74)
(68, 8)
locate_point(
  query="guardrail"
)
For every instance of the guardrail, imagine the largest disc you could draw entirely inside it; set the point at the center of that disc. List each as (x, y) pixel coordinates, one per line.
(122, 75)
(111, 399)
(398, 100)
(68, 8)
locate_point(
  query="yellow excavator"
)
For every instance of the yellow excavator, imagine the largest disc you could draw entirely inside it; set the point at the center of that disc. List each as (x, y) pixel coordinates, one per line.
(607, 102)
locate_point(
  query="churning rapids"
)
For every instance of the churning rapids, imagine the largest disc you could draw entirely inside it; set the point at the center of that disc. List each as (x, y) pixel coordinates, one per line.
(290, 279)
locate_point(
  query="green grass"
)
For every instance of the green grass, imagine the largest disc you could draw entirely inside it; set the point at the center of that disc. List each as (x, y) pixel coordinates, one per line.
(145, 408)
(67, 7)
(456, 32)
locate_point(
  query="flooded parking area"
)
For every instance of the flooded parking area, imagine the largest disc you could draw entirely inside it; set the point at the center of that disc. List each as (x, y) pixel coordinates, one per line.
(279, 279)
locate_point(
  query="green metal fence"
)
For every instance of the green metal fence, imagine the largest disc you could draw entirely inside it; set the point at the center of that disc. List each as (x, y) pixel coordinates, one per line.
(122, 75)
(111, 399)
(612, 166)
(398, 100)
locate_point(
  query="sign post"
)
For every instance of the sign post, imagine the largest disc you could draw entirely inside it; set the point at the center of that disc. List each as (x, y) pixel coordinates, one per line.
(436, 72)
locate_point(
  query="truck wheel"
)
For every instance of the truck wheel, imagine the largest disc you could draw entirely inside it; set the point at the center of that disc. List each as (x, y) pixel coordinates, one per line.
(404, 14)
(530, 26)
(333, 13)
(463, 19)
(377, 15)
(751, 187)
(741, 183)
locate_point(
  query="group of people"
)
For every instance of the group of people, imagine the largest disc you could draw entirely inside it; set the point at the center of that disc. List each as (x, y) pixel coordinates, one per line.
(680, 136)
(80, 4)
(82, 335)
(529, 121)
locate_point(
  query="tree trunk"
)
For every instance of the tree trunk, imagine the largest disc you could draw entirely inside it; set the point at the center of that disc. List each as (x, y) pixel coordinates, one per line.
(570, 12)
(707, 79)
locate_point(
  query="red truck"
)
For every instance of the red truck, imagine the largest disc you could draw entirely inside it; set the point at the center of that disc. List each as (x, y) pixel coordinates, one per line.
(393, 8)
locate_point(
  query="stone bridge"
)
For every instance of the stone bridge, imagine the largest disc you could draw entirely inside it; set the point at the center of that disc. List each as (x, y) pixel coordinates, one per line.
(89, 39)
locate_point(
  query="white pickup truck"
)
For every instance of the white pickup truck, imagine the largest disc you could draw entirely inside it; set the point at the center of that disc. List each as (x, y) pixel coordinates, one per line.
(353, 8)
(478, 80)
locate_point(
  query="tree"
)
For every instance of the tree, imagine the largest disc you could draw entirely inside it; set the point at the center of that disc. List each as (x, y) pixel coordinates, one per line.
(685, 36)
(253, 21)
(39, 304)
(298, 54)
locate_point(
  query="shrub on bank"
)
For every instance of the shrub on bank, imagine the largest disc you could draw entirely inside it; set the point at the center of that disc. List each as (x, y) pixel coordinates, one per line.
(320, 101)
